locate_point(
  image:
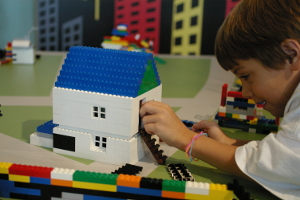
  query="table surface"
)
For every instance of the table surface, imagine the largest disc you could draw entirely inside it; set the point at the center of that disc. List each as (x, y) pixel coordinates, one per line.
(26, 98)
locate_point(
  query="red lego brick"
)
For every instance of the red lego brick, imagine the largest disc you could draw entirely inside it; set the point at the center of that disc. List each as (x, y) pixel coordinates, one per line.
(250, 118)
(28, 170)
(223, 97)
(277, 121)
(236, 94)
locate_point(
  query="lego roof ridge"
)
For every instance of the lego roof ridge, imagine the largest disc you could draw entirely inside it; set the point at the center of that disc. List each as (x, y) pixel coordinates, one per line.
(110, 51)
(109, 63)
(116, 57)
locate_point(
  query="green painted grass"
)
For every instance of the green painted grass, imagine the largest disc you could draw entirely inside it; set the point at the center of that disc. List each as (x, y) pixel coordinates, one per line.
(30, 80)
(20, 121)
(183, 77)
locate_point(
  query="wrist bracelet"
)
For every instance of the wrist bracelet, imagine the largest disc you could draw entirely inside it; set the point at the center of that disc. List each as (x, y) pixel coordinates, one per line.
(189, 147)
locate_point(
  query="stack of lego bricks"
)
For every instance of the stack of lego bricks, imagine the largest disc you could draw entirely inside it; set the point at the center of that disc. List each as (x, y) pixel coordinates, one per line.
(34, 182)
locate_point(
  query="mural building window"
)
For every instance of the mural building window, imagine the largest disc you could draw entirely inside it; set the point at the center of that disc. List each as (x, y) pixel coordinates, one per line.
(179, 8)
(178, 41)
(194, 21)
(193, 39)
(179, 24)
(195, 3)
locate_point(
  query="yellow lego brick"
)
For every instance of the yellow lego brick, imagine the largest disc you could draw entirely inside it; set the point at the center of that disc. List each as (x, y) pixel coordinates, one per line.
(219, 191)
(254, 121)
(19, 178)
(144, 44)
(115, 38)
(123, 43)
(208, 197)
(4, 166)
(94, 186)
(251, 101)
(235, 116)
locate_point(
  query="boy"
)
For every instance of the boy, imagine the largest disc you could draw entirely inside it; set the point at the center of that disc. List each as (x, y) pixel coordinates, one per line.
(260, 43)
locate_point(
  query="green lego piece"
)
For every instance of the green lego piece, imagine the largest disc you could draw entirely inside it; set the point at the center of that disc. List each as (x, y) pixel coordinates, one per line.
(229, 115)
(173, 185)
(94, 177)
(149, 81)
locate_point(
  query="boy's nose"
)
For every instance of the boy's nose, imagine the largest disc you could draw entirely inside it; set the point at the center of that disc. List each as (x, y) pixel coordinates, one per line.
(246, 92)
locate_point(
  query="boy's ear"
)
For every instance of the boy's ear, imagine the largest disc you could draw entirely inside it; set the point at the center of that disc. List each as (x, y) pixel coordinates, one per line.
(292, 49)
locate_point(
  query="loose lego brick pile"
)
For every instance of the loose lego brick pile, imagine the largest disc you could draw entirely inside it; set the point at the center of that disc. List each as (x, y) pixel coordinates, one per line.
(34, 182)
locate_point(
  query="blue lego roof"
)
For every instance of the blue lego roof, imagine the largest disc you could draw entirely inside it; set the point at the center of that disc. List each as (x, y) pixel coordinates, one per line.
(109, 71)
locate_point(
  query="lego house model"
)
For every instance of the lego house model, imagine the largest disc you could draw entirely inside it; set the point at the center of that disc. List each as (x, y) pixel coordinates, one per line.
(96, 102)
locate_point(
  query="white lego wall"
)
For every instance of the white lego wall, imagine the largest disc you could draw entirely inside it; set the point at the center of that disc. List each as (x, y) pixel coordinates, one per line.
(42, 139)
(73, 108)
(117, 151)
(23, 55)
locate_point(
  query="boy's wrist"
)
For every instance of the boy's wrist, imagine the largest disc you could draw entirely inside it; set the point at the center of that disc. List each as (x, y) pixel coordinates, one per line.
(184, 139)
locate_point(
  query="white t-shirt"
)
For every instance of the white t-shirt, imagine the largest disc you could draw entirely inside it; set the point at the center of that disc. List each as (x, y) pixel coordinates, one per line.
(274, 162)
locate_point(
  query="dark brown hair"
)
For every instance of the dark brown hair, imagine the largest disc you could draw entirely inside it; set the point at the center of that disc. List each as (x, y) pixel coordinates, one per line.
(256, 29)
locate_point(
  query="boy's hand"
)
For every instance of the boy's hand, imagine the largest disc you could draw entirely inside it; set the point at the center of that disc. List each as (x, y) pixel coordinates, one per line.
(213, 130)
(160, 119)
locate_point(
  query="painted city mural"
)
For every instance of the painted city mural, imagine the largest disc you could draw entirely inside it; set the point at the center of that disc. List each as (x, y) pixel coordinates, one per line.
(179, 27)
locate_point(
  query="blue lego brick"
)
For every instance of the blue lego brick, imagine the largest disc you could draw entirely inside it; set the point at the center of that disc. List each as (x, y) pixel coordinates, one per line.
(240, 104)
(266, 121)
(111, 53)
(142, 191)
(100, 84)
(27, 191)
(45, 181)
(47, 127)
(103, 76)
(120, 92)
(117, 32)
(91, 197)
(87, 61)
(188, 124)
(7, 187)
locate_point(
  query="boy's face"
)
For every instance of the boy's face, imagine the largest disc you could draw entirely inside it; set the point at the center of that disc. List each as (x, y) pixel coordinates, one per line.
(271, 87)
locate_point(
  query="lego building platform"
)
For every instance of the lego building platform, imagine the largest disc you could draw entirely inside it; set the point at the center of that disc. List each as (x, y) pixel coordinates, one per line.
(191, 86)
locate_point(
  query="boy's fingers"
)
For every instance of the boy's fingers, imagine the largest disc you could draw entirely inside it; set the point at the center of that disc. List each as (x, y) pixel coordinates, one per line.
(147, 119)
(150, 107)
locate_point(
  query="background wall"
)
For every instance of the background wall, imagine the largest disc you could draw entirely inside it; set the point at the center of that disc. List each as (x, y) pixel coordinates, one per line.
(17, 17)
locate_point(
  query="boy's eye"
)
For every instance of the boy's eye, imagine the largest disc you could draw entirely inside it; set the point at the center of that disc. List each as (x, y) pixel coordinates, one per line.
(244, 77)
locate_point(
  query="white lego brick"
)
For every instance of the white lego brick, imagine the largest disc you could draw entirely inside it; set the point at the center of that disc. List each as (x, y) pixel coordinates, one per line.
(222, 109)
(122, 154)
(111, 46)
(197, 188)
(21, 43)
(230, 99)
(111, 150)
(23, 55)
(72, 196)
(41, 139)
(110, 141)
(243, 117)
(62, 174)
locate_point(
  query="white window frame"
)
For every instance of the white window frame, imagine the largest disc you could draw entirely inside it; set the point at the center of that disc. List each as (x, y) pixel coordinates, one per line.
(100, 142)
(98, 112)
